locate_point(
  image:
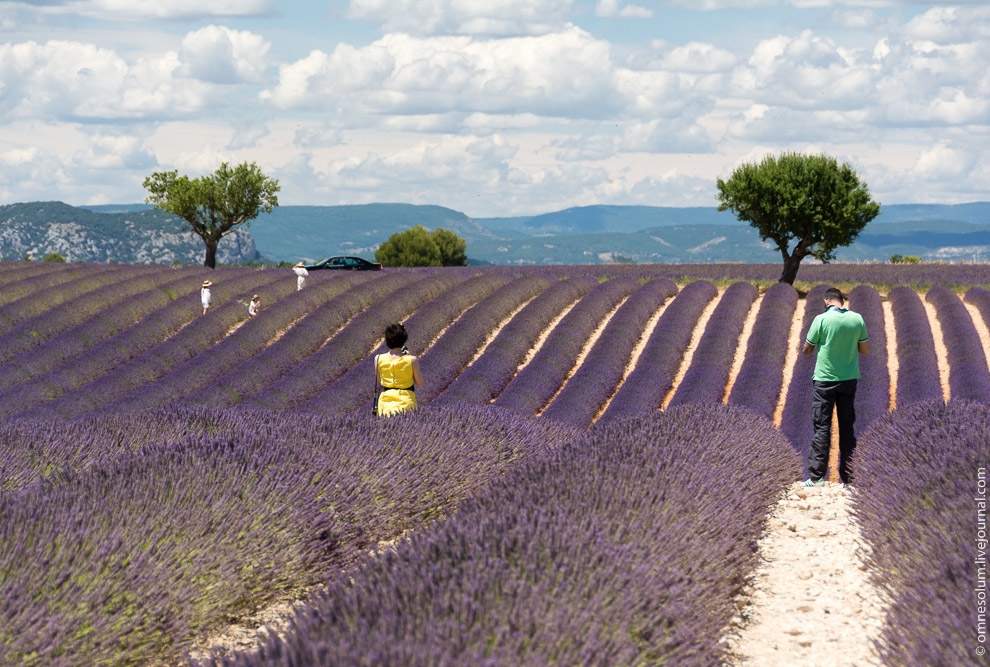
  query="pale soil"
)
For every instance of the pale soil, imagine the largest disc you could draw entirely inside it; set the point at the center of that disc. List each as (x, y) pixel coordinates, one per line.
(737, 360)
(794, 345)
(699, 331)
(940, 353)
(893, 366)
(981, 330)
(595, 335)
(495, 332)
(637, 352)
(810, 601)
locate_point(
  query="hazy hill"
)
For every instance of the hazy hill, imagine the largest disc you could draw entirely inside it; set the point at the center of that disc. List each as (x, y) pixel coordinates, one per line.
(594, 234)
(83, 235)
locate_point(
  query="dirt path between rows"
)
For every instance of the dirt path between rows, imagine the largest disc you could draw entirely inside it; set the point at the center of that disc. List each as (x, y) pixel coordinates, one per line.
(810, 601)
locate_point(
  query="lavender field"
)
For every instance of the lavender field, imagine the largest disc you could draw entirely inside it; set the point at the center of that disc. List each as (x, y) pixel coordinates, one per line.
(595, 455)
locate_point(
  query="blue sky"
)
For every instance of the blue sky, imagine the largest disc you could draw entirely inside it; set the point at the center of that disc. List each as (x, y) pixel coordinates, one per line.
(491, 107)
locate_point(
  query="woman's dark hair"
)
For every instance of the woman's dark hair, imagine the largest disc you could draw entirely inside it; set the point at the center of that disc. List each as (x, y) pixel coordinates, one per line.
(395, 336)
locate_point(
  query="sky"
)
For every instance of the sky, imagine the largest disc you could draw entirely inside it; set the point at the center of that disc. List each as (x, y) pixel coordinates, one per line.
(491, 107)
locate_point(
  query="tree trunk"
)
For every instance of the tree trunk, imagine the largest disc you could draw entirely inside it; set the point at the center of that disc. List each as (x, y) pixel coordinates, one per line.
(211, 254)
(792, 263)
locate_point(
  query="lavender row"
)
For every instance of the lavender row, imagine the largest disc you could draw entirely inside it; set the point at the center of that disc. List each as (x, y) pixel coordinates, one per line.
(114, 352)
(95, 330)
(873, 388)
(355, 389)
(351, 343)
(34, 331)
(300, 341)
(758, 384)
(706, 377)
(485, 379)
(534, 386)
(626, 548)
(648, 383)
(795, 422)
(582, 398)
(644, 389)
(250, 339)
(38, 302)
(969, 377)
(132, 559)
(28, 283)
(12, 272)
(920, 499)
(191, 337)
(461, 341)
(917, 373)
(979, 298)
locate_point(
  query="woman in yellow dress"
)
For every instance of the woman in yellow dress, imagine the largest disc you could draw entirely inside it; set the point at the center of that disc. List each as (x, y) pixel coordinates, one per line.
(397, 372)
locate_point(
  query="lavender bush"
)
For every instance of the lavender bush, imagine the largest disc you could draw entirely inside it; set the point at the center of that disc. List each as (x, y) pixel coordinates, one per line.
(485, 379)
(28, 281)
(128, 560)
(355, 388)
(108, 372)
(459, 343)
(980, 299)
(917, 375)
(706, 377)
(626, 548)
(351, 343)
(536, 384)
(757, 386)
(920, 499)
(648, 383)
(50, 296)
(969, 377)
(873, 389)
(582, 398)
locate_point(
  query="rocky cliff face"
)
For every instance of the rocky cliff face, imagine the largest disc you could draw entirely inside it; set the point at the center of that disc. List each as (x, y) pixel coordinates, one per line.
(79, 235)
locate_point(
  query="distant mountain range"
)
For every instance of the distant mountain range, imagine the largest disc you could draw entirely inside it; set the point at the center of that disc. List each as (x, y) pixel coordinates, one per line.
(584, 235)
(140, 236)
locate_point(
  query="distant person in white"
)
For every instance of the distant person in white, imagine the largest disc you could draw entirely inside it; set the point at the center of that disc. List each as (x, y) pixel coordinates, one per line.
(301, 274)
(254, 306)
(205, 296)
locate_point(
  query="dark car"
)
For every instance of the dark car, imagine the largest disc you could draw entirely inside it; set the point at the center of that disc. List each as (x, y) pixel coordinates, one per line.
(346, 263)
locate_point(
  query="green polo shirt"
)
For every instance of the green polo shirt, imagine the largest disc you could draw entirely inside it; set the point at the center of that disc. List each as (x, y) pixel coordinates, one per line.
(837, 332)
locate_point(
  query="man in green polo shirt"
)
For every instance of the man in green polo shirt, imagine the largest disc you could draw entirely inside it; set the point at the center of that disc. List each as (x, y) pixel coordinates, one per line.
(840, 336)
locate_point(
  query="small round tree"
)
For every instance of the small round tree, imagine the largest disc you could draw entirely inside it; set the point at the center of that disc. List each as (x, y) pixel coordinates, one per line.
(805, 204)
(214, 205)
(418, 247)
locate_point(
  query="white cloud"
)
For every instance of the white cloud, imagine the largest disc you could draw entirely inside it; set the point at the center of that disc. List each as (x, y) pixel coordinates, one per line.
(612, 8)
(129, 10)
(74, 80)
(465, 17)
(106, 151)
(220, 55)
(950, 25)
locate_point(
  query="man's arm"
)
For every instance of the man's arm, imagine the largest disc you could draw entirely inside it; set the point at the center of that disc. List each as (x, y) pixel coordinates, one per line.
(864, 347)
(808, 349)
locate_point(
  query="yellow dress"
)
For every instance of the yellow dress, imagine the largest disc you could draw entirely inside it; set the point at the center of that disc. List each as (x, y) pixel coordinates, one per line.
(396, 376)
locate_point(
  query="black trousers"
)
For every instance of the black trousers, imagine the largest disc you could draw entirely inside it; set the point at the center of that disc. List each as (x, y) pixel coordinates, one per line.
(842, 395)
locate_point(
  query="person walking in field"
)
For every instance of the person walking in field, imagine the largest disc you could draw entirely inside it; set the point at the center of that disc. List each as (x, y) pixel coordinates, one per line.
(254, 305)
(301, 274)
(840, 336)
(397, 372)
(205, 295)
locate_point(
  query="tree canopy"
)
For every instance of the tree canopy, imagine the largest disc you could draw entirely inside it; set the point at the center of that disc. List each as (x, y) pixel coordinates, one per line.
(804, 204)
(418, 247)
(214, 205)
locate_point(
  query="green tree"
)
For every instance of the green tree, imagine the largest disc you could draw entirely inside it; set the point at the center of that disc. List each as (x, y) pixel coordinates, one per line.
(805, 204)
(53, 257)
(216, 204)
(453, 249)
(418, 247)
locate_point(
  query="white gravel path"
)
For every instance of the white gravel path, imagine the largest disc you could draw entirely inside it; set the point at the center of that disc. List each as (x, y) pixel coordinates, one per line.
(811, 601)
